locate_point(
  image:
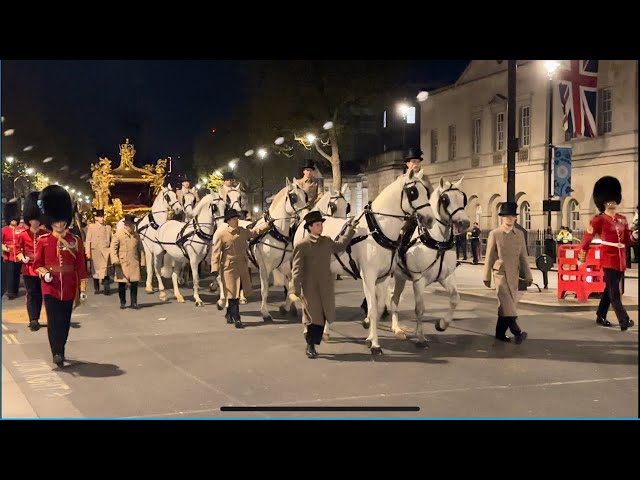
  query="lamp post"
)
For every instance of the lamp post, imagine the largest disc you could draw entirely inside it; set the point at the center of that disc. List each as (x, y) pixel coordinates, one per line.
(262, 153)
(551, 66)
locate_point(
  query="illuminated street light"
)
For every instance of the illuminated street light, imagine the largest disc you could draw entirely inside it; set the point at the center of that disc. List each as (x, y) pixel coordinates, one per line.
(29, 171)
(232, 164)
(256, 209)
(311, 138)
(248, 153)
(47, 160)
(279, 141)
(551, 66)
(10, 159)
(27, 149)
(422, 96)
(328, 126)
(198, 186)
(262, 153)
(403, 109)
(9, 132)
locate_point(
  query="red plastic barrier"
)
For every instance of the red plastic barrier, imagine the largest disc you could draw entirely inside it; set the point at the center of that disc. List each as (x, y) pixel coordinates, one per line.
(583, 281)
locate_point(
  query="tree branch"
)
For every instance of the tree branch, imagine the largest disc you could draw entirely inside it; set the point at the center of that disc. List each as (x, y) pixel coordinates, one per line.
(321, 152)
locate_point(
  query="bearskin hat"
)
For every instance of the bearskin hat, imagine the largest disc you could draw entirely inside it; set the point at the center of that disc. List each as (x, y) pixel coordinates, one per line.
(605, 190)
(11, 212)
(31, 211)
(56, 205)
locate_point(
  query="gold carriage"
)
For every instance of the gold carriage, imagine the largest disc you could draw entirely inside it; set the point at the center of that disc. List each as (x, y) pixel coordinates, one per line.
(127, 189)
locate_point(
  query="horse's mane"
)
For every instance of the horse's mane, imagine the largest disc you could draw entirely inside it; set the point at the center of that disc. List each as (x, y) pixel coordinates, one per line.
(204, 201)
(280, 196)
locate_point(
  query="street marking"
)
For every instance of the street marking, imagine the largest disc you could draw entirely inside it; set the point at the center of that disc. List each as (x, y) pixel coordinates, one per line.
(38, 375)
(10, 338)
(4, 327)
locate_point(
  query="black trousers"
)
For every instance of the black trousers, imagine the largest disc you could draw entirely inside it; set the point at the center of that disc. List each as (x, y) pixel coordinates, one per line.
(58, 322)
(11, 277)
(611, 295)
(475, 249)
(34, 297)
(122, 292)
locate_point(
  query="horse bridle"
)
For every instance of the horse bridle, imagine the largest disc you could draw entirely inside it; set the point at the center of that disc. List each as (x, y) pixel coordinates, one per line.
(230, 204)
(167, 199)
(444, 201)
(333, 203)
(410, 189)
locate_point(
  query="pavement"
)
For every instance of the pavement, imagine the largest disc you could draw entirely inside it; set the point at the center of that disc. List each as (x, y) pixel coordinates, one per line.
(170, 360)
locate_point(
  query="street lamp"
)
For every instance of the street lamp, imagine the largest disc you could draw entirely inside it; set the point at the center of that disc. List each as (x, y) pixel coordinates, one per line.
(311, 138)
(551, 66)
(262, 153)
(232, 164)
(29, 171)
(11, 159)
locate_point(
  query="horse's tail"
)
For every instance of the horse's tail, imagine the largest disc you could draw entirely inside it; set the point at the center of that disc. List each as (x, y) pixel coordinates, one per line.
(167, 266)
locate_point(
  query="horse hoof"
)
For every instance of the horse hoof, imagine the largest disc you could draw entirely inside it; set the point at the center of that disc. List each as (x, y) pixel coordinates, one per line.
(162, 296)
(293, 311)
(199, 304)
(282, 310)
(376, 351)
(150, 292)
(400, 335)
(368, 343)
(180, 300)
(326, 337)
(243, 301)
(268, 319)
(366, 323)
(219, 307)
(439, 328)
(422, 344)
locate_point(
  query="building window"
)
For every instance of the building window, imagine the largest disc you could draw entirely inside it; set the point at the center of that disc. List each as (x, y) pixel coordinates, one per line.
(452, 142)
(574, 215)
(500, 132)
(475, 146)
(384, 119)
(434, 146)
(478, 214)
(605, 113)
(525, 126)
(525, 215)
(411, 115)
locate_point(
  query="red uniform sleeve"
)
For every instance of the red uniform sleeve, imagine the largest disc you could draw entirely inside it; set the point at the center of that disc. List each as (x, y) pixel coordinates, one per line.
(38, 261)
(20, 246)
(595, 228)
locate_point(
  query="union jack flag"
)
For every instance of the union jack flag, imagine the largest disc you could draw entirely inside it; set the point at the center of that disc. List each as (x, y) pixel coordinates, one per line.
(579, 95)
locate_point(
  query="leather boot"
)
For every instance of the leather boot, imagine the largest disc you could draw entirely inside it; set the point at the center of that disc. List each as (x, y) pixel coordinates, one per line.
(107, 285)
(518, 334)
(96, 286)
(236, 313)
(602, 321)
(134, 295)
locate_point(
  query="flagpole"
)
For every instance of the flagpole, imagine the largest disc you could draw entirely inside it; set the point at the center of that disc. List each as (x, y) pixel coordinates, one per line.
(549, 243)
(512, 141)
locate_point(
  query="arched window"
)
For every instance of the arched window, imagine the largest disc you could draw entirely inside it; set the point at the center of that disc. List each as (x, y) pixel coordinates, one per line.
(478, 213)
(574, 215)
(525, 215)
(498, 220)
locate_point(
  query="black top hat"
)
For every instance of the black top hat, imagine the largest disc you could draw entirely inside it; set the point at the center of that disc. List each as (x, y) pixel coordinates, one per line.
(185, 179)
(414, 152)
(55, 203)
(605, 190)
(309, 164)
(129, 219)
(228, 176)
(11, 212)
(508, 208)
(312, 217)
(231, 213)
(98, 213)
(31, 211)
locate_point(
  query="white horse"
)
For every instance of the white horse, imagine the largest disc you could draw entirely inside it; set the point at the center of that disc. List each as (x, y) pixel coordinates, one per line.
(165, 201)
(188, 242)
(188, 204)
(272, 251)
(373, 248)
(428, 256)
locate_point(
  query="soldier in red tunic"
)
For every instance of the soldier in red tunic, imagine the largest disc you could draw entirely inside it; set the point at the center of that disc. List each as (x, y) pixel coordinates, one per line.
(615, 236)
(10, 264)
(61, 264)
(26, 243)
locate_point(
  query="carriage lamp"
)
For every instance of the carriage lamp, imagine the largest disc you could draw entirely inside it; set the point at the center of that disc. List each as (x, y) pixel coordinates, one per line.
(311, 138)
(10, 159)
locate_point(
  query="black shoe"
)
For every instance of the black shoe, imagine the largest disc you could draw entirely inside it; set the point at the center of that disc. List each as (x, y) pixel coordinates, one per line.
(96, 292)
(602, 321)
(229, 319)
(503, 338)
(311, 351)
(520, 337)
(239, 323)
(627, 324)
(135, 306)
(107, 290)
(58, 360)
(34, 326)
(123, 306)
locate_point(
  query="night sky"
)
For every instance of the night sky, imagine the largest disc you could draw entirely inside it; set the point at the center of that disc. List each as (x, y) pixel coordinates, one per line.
(76, 110)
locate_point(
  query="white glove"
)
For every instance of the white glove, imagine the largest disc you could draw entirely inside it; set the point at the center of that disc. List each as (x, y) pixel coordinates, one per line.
(634, 235)
(25, 259)
(5, 248)
(48, 277)
(83, 297)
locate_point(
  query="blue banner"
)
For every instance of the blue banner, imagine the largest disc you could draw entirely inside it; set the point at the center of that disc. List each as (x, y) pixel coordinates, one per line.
(562, 172)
